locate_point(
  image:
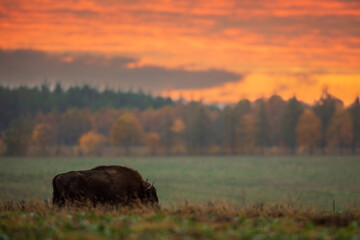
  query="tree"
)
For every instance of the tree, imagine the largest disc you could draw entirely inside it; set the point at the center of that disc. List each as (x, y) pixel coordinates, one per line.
(245, 131)
(275, 108)
(103, 119)
(178, 126)
(167, 135)
(18, 137)
(199, 133)
(340, 131)
(355, 117)
(126, 132)
(308, 130)
(92, 142)
(153, 143)
(51, 120)
(43, 137)
(232, 122)
(289, 121)
(74, 123)
(262, 126)
(324, 108)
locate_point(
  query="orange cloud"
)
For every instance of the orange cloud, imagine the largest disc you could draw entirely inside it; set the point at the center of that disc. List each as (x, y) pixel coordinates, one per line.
(272, 42)
(305, 87)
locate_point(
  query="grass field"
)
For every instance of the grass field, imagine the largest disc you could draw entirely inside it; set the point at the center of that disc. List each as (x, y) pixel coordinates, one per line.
(201, 198)
(299, 181)
(39, 221)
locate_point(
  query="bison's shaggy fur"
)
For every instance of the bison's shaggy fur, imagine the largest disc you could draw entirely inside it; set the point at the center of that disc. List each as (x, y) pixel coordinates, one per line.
(114, 185)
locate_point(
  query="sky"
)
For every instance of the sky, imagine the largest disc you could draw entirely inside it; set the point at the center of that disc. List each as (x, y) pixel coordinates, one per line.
(210, 50)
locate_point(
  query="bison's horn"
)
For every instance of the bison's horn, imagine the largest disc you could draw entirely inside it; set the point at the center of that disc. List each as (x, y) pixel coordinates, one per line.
(147, 179)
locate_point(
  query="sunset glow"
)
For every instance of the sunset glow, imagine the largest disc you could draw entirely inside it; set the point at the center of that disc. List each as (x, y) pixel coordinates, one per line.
(275, 47)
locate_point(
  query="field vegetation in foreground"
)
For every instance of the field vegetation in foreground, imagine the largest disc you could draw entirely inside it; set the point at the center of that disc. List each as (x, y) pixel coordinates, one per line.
(26, 220)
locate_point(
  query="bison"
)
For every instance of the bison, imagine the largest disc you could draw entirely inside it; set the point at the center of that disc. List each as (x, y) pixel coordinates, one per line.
(114, 185)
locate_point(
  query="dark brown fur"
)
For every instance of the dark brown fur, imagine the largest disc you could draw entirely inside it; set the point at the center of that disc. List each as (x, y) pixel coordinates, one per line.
(103, 184)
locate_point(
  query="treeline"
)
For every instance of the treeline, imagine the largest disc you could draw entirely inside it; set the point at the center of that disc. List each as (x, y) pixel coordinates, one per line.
(266, 126)
(15, 102)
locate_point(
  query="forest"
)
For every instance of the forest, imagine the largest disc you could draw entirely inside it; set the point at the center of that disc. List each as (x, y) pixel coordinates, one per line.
(84, 121)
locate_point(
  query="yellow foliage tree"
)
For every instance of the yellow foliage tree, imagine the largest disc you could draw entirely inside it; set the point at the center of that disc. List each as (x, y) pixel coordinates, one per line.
(43, 137)
(126, 132)
(245, 131)
(308, 130)
(91, 143)
(340, 131)
(153, 143)
(178, 126)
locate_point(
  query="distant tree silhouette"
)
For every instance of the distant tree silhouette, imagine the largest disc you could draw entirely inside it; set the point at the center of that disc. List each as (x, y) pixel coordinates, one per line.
(24, 100)
(43, 137)
(262, 127)
(275, 108)
(340, 131)
(289, 121)
(233, 124)
(355, 117)
(18, 137)
(199, 130)
(74, 123)
(308, 130)
(324, 108)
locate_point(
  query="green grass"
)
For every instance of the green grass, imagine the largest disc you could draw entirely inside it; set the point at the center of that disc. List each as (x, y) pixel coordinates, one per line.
(301, 181)
(38, 221)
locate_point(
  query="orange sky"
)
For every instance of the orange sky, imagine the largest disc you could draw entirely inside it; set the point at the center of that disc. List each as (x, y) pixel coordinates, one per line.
(276, 46)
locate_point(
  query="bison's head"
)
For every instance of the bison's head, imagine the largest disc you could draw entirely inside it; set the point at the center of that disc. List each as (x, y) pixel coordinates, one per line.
(150, 195)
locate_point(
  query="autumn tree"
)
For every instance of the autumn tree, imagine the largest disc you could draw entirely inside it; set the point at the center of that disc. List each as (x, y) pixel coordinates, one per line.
(92, 142)
(50, 119)
(199, 131)
(167, 135)
(18, 137)
(178, 129)
(275, 108)
(355, 117)
(153, 143)
(232, 124)
(103, 120)
(340, 131)
(74, 123)
(43, 137)
(262, 126)
(289, 121)
(308, 130)
(324, 108)
(126, 132)
(149, 121)
(245, 131)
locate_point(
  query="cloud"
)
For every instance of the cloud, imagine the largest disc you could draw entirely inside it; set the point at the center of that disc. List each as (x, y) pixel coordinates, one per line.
(31, 67)
(305, 87)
